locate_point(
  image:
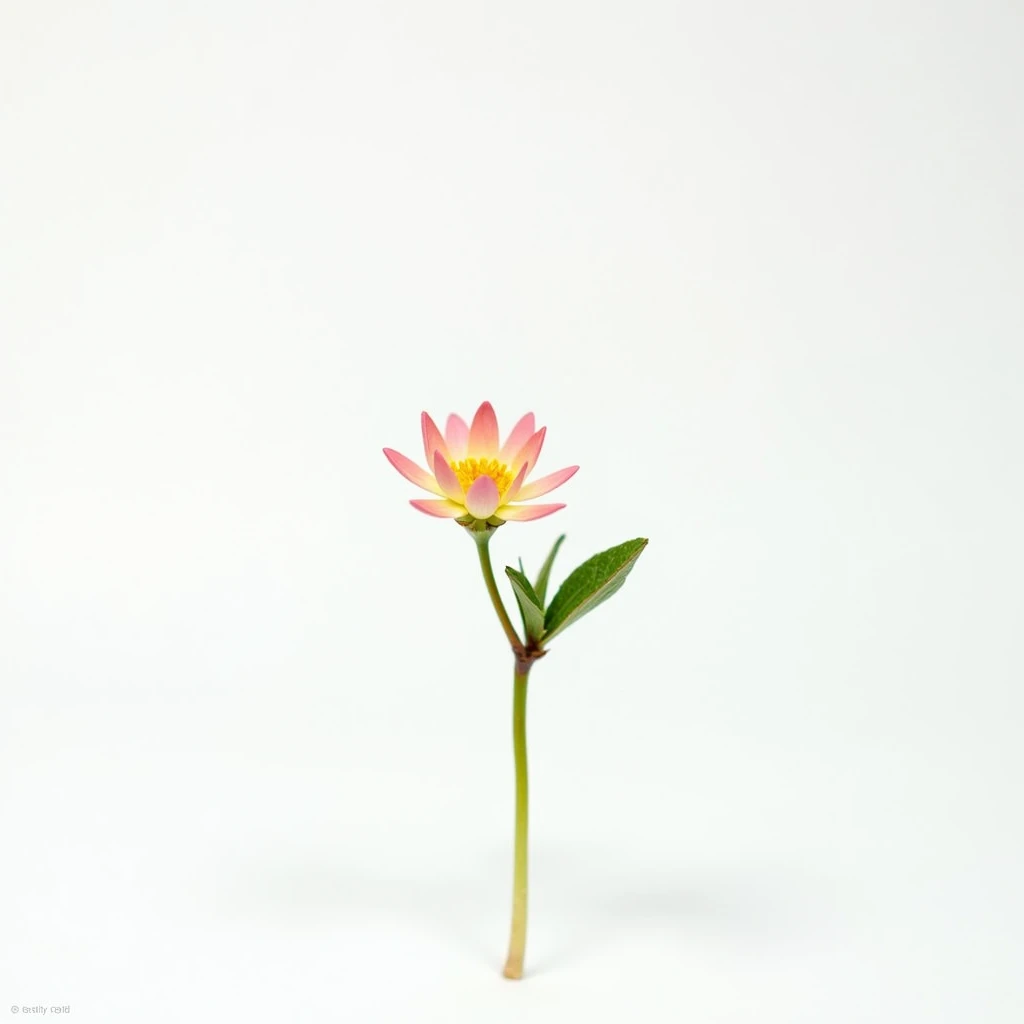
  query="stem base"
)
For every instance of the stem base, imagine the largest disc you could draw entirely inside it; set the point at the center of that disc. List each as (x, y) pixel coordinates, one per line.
(513, 968)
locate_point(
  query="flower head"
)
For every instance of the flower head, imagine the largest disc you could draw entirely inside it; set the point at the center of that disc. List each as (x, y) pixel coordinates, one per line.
(474, 475)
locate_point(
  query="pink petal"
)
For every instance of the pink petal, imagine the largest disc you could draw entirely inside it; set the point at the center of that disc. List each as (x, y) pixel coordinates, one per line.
(529, 452)
(521, 433)
(442, 509)
(513, 489)
(447, 479)
(432, 439)
(482, 498)
(545, 484)
(483, 434)
(524, 513)
(412, 472)
(456, 433)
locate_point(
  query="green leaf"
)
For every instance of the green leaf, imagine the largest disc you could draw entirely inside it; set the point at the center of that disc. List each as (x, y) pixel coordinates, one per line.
(541, 586)
(590, 584)
(529, 603)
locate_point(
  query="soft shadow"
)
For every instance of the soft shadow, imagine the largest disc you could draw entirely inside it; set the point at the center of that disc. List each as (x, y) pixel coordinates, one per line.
(584, 908)
(582, 899)
(465, 909)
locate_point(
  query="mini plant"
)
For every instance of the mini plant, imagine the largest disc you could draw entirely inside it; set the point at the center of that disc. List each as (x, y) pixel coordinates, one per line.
(482, 484)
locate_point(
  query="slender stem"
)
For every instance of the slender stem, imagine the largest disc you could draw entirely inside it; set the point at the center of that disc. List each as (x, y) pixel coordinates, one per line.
(524, 658)
(517, 940)
(482, 546)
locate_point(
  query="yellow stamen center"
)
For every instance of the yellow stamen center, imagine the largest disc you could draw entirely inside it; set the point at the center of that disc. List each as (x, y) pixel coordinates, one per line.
(469, 469)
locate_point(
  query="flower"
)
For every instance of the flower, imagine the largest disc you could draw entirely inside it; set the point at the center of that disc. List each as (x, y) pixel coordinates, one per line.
(476, 477)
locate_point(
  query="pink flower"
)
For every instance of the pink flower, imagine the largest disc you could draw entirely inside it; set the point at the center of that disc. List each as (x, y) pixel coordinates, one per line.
(474, 475)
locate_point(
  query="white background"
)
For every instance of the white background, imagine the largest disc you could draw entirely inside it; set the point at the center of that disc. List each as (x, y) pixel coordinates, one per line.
(757, 267)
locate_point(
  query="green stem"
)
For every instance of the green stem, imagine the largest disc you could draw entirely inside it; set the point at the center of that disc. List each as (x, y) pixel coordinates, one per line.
(517, 940)
(482, 547)
(524, 659)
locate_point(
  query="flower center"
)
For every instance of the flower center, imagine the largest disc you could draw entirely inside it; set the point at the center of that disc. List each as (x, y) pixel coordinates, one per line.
(469, 469)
